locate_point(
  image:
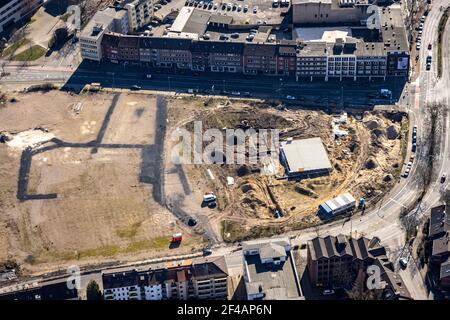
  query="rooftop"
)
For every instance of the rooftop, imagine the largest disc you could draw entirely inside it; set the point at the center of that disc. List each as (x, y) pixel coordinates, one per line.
(445, 269)
(277, 282)
(441, 246)
(439, 221)
(305, 155)
(101, 22)
(258, 244)
(339, 246)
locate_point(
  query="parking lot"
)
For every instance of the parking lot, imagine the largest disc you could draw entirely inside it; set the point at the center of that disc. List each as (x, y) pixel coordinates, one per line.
(242, 11)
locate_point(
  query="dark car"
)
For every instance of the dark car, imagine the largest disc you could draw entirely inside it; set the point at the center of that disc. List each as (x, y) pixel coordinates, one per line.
(414, 147)
(207, 252)
(135, 87)
(192, 222)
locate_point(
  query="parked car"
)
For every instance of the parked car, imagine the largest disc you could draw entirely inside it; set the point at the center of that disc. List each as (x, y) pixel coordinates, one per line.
(290, 97)
(430, 46)
(418, 46)
(135, 87)
(209, 196)
(192, 222)
(148, 76)
(414, 147)
(328, 292)
(207, 252)
(255, 9)
(443, 177)
(403, 262)
(406, 173)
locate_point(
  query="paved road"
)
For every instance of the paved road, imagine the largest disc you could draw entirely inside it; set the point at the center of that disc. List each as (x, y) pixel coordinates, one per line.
(332, 94)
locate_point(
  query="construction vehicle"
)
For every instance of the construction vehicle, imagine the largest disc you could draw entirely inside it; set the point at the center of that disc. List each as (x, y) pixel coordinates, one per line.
(177, 237)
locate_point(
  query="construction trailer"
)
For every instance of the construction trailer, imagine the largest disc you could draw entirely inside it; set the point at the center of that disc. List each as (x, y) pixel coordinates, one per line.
(177, 237)
(341, 204)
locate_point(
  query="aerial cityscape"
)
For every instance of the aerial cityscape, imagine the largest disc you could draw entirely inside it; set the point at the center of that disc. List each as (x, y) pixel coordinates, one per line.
(232, 150)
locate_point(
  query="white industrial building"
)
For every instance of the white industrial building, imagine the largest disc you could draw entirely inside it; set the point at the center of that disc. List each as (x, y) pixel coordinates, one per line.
(306, 158)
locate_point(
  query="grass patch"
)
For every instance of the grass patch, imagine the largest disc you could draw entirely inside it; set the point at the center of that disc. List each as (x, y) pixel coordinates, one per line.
(129, 232)
(13, 48)
(65, 17)
(441, 29)
(160, 243)
(138, 246)
(31, 54)
(233, 231)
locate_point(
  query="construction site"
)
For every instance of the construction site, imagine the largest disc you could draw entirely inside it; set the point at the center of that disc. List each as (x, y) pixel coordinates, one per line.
(80, 182)
(90, 177)
(365, 151)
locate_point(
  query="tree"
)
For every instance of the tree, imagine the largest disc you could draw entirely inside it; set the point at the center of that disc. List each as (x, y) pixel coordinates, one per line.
(93, 291)
(359, 290)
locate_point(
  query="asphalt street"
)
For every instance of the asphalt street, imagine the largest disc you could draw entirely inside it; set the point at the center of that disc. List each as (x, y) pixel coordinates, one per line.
(332, 94)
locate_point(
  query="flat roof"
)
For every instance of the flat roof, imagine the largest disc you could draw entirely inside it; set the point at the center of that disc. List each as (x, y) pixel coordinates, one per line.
(181, 19)
(102, 19)
(276, 282)
(305, 155)
(340, 201)
(323, 33)
(439, 221)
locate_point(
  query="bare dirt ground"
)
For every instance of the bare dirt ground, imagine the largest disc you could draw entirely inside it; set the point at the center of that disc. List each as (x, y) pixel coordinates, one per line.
(92, 191)
(366, 162)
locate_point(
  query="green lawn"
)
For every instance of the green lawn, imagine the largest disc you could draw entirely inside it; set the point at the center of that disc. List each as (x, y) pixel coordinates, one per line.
(31, 54)
(12, 48)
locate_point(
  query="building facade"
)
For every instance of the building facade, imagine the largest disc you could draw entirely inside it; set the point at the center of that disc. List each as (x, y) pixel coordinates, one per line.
(336, 262)
(12, 11)
(105, 21)
(140, 13)
(198, 279)
(357, 52)
(269, 270)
